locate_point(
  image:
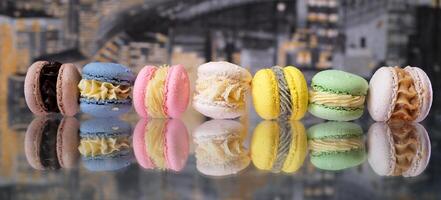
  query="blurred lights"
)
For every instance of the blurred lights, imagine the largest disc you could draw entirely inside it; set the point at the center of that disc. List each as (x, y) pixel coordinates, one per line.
(323, 3)
(281, 7)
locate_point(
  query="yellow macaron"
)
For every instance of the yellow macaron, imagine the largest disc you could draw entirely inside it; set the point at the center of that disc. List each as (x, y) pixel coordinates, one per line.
(280, 93)
(279, 146)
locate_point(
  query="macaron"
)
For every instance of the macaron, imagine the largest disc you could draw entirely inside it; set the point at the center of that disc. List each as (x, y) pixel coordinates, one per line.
(280, 92)
(221, 90)
(105, 89)
(336, 145)
(51, 143)
(161, 92)
(219, 148)
(51, 87)
(161, 144)
(399, 94)
(337, 95)
(105, 144)
(398, 148)
(279, 146)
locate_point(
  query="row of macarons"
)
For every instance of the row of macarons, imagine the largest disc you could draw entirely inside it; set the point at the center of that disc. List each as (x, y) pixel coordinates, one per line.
(221, 89)
(393, 149)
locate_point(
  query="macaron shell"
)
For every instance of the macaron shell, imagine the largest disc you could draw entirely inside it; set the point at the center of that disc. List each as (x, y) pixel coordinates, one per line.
(336, 129)
(176, 144)
(340, 81)
(226, 69)
(67, 89)
(32, 88)
(139, 146)
(299, 91)
(144, 76)
(330, 113)
(217, 128)
(32, 142)
(108, 163)
(178, 91)
(421, 161)
(265, 93)
(381, 154)
(225, 170)
(106, 110)
(298, 150)
(424, 89)
(383, 88)
(264, 144)
(108, 72)
(217, 111)
(339, 160)
(105, 127)
(68, 142)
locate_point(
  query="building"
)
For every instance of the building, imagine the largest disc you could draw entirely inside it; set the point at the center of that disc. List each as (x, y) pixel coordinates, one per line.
(23, 37)
(312, 46)
(91, 15)
(425, 45)
(304, 51)
(375, 32)
(323, 20)
(132, 53)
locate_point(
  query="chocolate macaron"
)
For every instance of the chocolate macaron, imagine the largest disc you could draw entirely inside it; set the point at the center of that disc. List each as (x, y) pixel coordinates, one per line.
(51, 87)
(51, 143)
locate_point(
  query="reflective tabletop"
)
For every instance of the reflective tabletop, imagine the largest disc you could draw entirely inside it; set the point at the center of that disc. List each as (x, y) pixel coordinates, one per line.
(48, 158)
(52, 157)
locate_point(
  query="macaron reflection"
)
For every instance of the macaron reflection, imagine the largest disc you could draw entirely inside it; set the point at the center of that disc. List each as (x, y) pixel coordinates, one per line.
(279, 146)
(161, 144)
(51, 143)
(398, 148)
(220, 150)
(105, 144)
(336, 145)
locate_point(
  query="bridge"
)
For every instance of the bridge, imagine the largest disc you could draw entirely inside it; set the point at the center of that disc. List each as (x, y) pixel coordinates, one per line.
(253, 18)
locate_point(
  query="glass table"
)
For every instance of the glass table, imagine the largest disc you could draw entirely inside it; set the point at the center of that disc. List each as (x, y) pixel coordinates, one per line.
(125, 177)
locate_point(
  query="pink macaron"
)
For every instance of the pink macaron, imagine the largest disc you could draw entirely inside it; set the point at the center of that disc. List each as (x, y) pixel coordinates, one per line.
(161, 144)
(51, 87)
(170, 92)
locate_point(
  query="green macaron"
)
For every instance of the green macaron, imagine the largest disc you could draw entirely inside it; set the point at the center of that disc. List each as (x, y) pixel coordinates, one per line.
(336, 145)
(337, 95)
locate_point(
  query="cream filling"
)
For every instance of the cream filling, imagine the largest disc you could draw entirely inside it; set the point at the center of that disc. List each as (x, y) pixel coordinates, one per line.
(154, 94)
(98, 90)
(155, 139)
(407, 104)
(327, 145)
(102, 146)
(221, 90)
(336, 100)
(220, 151)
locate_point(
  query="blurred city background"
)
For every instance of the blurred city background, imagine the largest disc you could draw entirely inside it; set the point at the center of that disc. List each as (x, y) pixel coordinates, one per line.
(353, 35)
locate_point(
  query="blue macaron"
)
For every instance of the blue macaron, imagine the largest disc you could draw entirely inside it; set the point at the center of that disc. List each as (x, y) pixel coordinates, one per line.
(112, 162)
(105, 144)
(105, 89)
(105, 127)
